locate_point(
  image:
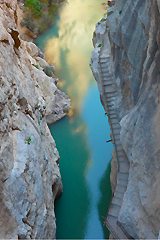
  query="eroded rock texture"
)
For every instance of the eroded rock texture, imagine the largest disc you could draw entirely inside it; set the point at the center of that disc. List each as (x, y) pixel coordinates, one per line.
(131, 35)
(29, 173)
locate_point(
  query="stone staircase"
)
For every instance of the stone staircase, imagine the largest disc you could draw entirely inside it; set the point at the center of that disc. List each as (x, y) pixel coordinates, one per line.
(109, 92)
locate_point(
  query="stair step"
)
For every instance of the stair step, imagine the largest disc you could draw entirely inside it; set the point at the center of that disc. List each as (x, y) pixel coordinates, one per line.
(107, 75)
(110, 103)
(119, 195)
(111, 219)
(117, 142)
(110, 90)
(110, 94)
(115, 121)
(112, 117)
(106, 70)
(117, 138)
(108, 83)
(115, 229)
(122, 182)
(104, 64)
(121, 154)
(111, 106)
(108, 79)
(118, 198)
(104, 67)
(111, 224)
(123, 170)
(120, 188)
(110, 98)
(117, 201)
(119, 147)
(121, 159)
(103, 58)
(115, 131)
(116, 126)
(123, 176)
(114, 210)
(112, 112)
(124, 167)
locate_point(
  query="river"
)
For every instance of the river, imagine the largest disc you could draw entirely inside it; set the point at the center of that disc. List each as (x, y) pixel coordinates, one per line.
(81, 138)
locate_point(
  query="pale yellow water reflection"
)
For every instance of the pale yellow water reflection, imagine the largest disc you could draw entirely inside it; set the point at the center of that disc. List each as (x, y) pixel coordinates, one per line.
(74, 44)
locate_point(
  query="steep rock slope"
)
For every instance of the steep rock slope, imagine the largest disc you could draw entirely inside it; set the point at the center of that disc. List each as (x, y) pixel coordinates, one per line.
(130, 35)
(30, 178)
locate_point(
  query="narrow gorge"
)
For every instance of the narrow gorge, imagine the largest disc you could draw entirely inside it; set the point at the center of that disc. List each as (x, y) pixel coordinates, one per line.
(79, 158)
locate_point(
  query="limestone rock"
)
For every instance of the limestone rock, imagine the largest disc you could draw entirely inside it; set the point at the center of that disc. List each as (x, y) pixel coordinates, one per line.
(30, 177)
(130, 36)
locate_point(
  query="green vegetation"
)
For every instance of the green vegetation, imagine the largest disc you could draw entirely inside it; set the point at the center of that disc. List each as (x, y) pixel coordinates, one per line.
(100, 45)
(28, 140)
(49, 70)
(35, 6)
(39, 14)
(36, 66)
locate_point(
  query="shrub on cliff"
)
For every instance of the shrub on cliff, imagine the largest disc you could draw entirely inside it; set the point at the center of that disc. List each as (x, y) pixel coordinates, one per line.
(35, 6)
(39, 14)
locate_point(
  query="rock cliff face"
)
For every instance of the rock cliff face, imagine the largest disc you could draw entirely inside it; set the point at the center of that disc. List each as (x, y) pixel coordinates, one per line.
(131, 36)
(30, 178)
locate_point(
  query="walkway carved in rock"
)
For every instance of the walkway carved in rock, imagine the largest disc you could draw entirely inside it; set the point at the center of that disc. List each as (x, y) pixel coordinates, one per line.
(109, 93)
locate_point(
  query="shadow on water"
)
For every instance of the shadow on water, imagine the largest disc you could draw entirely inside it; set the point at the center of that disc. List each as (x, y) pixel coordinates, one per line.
(72, 208)
(105, 198)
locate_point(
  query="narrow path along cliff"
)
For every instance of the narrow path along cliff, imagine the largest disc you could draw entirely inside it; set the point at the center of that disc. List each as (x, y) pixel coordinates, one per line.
(125, 63)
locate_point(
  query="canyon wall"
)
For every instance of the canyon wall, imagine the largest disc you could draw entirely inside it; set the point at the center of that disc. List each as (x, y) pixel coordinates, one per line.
(30, 178)
(130, 35)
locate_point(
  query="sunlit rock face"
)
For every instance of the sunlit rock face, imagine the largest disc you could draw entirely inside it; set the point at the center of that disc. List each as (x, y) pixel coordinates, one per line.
(131, 36)
(30, 178)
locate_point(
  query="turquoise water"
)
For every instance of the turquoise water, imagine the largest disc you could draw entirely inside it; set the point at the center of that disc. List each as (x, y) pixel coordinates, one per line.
(80, 139)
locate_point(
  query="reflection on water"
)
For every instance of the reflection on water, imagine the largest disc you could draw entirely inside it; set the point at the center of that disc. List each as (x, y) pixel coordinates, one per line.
(105, 198)
(97, 129)
(71, 49)
(73, 207)
(81, 140)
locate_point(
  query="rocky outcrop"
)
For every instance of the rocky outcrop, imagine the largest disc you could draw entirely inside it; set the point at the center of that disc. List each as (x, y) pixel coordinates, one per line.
(130, 36)
(30, 178)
